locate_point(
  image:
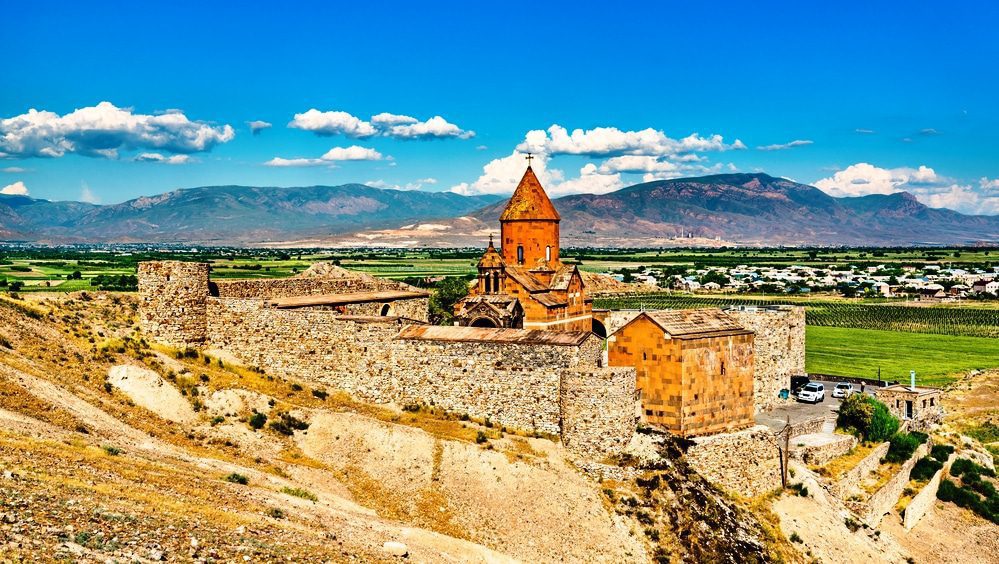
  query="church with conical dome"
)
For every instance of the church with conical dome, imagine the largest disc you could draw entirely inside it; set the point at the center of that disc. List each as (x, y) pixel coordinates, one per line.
(525, 284)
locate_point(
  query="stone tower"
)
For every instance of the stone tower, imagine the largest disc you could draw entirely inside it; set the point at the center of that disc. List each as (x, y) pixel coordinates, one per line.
(529, 229)
(174, 307)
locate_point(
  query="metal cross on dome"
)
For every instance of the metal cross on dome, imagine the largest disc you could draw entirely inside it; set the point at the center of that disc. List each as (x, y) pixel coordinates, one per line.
(529, 157)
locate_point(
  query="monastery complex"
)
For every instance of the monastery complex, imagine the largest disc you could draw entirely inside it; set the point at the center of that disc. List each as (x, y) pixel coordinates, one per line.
(527, 350)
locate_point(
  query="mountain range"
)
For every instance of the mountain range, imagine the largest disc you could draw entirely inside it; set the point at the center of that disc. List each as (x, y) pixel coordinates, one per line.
(753, 209)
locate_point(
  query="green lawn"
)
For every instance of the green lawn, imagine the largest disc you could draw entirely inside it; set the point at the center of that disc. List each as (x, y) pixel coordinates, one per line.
(937, 359)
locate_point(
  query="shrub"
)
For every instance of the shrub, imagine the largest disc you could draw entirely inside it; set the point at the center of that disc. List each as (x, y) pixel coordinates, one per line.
(112, 450)
(901, 447)
(868, 417)
(257, 420)
(275, 513)
(925, 468)
(963, 466)
(237, 479)
(299, 492)
(480, 437)
(941, 452)
(287, 424)
(795, 538)
(320, 394)
(296, 387)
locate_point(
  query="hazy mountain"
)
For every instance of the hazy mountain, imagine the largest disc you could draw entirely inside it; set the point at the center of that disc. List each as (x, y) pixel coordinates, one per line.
(761, 209)
(230, 214)
(742, 208)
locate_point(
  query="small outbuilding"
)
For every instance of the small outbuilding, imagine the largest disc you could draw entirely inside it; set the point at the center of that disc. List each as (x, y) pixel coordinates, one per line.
(694, 369)
(919, 405)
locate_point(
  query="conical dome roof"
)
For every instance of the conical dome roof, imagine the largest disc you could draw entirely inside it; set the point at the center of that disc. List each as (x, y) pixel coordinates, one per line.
(529, 201)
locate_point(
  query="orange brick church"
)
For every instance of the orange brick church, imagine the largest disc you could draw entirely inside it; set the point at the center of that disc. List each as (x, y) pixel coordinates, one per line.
(525, 284)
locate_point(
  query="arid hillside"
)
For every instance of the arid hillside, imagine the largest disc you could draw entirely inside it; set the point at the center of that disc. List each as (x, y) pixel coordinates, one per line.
(113, 447)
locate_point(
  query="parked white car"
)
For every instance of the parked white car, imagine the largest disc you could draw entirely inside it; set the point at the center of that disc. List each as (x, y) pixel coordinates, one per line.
(812, 392)
(843, 390)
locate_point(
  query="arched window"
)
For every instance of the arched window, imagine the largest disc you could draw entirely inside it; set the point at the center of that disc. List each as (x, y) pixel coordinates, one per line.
(489, 284)
(548, 253)
(386, 310)
(496, 283)
(520, 254)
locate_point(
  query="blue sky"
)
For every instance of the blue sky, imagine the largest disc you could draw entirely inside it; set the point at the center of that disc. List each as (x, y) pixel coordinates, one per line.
(855, 98)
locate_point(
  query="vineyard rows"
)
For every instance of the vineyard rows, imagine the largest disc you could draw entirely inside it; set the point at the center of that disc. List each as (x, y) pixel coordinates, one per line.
(937, 320)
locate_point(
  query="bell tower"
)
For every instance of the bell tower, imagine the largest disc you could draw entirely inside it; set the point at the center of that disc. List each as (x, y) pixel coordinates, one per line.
(529, 228)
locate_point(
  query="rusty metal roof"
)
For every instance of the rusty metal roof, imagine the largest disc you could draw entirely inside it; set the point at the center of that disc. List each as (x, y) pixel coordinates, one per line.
(344, 299)
(454, 333)
(529, 201)
(693, 323)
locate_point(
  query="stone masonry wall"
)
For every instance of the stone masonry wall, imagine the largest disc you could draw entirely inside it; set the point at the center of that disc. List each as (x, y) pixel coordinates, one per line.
(923, 502)
(598, 410)
(514, 385)
(850, 481)
(746, 462)
(779, 348)
(887, 495)
(306, 286)
(174, 296)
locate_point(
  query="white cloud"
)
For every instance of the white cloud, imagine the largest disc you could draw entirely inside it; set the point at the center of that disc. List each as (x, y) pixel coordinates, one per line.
(863, 178)
(611, 141)
(987, 184)
(14, 169)
(87, 195)
(589, 181)
(639, 164)
(864, 131)
(158, 158)
(103, 130)
(386, 119)
(924, 183)
(256, 126)
(481, 148)
(414, 185)
(501, 176)
(333, 123)
(434, 128)
(16, 189)
(336, 154)
(384, 124)
(788, 145)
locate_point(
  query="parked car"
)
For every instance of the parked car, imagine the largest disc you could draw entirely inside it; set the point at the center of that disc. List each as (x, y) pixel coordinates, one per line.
(797, 383)
(843, 390)
(812, 392)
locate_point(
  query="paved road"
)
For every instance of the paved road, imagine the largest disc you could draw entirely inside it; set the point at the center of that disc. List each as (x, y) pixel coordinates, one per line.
(800, 411)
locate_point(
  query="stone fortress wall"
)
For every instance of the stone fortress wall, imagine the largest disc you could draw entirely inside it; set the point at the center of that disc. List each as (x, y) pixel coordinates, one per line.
(535, 381)
(779, 349)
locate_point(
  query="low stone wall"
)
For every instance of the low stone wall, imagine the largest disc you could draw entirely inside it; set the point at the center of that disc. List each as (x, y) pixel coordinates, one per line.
(923, 501)
(305, 286)
(808, 427)
(820, 448)
(598, 410)
(850, 481)
(746, 462)
(883, 500)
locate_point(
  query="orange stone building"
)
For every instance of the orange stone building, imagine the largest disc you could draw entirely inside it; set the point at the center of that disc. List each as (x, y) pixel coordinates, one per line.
(694, 369)
(525, 284)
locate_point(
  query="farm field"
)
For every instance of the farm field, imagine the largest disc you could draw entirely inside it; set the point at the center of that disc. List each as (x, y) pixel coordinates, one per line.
(937, 359)
(939, 319)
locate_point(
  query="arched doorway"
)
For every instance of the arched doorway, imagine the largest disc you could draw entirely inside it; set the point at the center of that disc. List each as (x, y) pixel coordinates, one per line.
(386, 310)
(483, 322)
(599, 330)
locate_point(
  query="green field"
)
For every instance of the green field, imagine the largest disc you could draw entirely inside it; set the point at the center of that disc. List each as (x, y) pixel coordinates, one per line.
(940, 319)
(937, 359)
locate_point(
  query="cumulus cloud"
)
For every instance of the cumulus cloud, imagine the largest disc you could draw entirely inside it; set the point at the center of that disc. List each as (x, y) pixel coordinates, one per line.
(611, 142)
(788, 145)
(256, 126)
(352, 153)
(384, 124)
(500, 176)
(414, 185)
(924, 183)
(105, 129)
(16, 189)
(158, 158)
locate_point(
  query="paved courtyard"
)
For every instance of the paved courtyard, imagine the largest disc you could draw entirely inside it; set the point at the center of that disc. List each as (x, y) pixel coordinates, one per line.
(800, 411)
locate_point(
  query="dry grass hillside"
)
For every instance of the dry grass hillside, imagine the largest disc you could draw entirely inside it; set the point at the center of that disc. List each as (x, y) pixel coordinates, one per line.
(112, 447)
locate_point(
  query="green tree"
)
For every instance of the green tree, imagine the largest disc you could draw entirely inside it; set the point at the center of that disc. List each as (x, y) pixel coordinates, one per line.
(447, 293)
